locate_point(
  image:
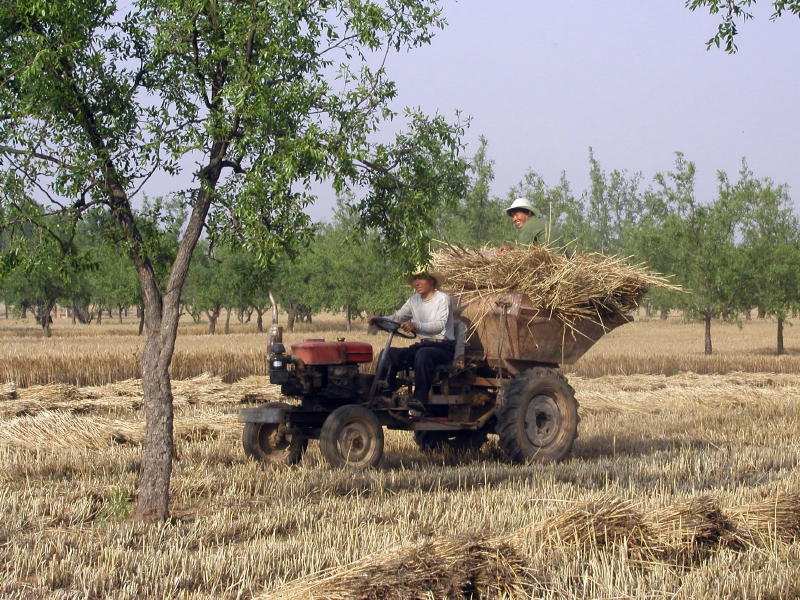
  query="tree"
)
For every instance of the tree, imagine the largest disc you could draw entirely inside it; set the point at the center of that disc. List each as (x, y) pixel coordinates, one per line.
(698, 242)
(264, 98)
(43, 264)
(735, 11)
(477, 219)
(613, 206)
(771, 237)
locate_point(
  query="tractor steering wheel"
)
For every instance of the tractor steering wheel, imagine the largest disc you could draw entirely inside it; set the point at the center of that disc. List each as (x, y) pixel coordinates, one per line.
(390, 326)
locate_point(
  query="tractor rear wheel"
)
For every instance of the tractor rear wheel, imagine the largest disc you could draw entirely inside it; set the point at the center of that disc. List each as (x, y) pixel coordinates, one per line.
(352, 437)
(272, 442)
(538, 416)
(458, 441)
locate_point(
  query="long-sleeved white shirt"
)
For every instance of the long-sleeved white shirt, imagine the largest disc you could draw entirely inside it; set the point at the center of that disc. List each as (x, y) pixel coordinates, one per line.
(432, 318)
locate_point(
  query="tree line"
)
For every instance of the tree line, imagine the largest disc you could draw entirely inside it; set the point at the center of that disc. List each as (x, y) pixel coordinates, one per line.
(732, 253)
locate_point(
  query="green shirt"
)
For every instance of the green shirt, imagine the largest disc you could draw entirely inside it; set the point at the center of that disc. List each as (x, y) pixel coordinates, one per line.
(531, 232)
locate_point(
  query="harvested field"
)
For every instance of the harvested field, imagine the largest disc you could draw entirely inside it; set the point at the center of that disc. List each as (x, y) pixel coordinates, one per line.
(680, 486)
(86, 355)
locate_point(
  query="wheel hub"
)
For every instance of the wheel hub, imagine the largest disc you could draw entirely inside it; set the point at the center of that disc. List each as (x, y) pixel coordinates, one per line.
(542, 420)
(354, 441)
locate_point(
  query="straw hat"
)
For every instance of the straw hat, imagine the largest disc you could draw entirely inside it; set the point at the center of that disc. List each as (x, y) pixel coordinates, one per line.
(422, 272)
(522, 204)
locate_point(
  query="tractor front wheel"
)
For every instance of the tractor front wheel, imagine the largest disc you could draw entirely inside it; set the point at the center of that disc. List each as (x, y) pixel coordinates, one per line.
(272, 442)
(352, 437)
(538, 417)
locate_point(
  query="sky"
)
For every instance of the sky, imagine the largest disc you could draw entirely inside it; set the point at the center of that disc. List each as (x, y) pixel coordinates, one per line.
(544, 80)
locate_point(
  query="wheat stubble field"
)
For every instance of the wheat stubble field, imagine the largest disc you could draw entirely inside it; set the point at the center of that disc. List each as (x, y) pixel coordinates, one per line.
(683, 483)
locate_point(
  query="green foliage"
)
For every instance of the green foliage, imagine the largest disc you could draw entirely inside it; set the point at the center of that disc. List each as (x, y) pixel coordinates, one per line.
(732, 12)
(477, 219)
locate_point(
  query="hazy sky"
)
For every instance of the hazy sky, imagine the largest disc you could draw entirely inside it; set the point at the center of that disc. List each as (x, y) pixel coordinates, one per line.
(544, 80)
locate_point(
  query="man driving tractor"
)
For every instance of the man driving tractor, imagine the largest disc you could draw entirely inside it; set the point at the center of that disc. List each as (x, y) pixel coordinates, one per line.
(427, 313)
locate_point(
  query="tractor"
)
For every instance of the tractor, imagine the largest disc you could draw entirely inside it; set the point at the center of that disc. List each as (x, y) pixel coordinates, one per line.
(507, 382)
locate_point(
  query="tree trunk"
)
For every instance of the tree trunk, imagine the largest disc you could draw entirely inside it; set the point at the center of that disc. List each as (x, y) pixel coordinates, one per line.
(100, 315)
(141, 320)
(663, 315)
(213, 315)
(44, 317)
(259, 320)
(781, 348)
(748, 315)
(120, 315)
(349, 320)
(290, 317)
(228, 322)
(707, 318)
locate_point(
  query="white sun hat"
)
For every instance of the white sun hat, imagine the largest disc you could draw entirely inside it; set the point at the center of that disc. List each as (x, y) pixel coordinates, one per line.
(522, 204)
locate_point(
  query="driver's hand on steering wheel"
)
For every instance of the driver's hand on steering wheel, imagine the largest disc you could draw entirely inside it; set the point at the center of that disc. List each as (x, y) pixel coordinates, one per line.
(408, 326)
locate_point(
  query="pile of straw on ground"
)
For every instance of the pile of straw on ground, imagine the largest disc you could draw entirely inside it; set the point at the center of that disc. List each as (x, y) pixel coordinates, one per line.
(8, 391)
(54, 431)
(126, 395)
(440, 568)
(561, 286)
(674, 536)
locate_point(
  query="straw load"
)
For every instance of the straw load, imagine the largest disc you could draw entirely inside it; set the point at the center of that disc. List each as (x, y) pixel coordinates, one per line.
(561, 286)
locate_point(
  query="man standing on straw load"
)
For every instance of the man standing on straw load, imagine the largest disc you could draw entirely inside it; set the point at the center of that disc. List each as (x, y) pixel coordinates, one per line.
(427, 313)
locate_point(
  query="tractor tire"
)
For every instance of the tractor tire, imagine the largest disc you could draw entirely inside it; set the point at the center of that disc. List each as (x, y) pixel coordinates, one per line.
(352, 437)
(271, 443)
(458, 441)
(538, 416)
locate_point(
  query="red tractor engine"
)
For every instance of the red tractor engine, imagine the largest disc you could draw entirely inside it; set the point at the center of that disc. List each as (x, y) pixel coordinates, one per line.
(327, 370)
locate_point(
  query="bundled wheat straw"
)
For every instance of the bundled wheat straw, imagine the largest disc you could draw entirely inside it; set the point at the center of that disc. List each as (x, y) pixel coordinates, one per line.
(606, 521)
(441, 568)
(8, 391)
(778, 516)
(568, 288)
(462, 568)
(126, 395)
(61, 430)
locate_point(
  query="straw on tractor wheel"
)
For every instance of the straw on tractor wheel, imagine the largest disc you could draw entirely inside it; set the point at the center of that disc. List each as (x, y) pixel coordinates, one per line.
(457, 441)
(352, 437)
(271, 442)
(538, 416)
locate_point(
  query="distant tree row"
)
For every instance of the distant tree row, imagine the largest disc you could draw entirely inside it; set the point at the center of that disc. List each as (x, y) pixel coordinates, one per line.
(732, 253)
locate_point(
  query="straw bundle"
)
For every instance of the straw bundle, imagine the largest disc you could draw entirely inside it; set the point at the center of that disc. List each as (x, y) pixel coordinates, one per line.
(568, 288)
(606, 521)
(686, 530)
(8, 391)
(441, 568)
(776, 516)
(64, 431)
(461, 567)
(58, 392)
(61, 430)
